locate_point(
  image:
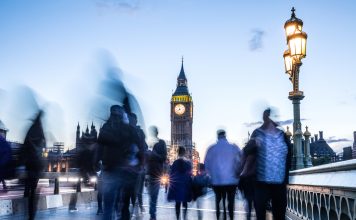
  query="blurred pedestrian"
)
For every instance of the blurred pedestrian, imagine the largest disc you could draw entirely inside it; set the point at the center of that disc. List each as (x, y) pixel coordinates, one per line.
(222, 163)
(180, 188)
(6, 162)
(117, 149)
(200, 187)
(272, 166)
(248, 176)
(99, 187)
(155, 169)
(86, 162)
(165, 176)
(141, 168)
(31, 157)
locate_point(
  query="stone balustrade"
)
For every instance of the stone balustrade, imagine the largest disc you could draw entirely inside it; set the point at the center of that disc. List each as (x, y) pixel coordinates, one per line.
(323, 192)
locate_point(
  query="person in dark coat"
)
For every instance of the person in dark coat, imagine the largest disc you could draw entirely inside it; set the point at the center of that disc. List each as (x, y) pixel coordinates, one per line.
(180, 189)
(31, 156)
(155, 169)
(141, 156)
(118, 143)
(248, 176)
(6, 163)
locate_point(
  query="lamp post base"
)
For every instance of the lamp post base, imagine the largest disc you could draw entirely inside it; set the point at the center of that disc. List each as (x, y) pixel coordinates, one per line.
(297, 163)
(298, 157)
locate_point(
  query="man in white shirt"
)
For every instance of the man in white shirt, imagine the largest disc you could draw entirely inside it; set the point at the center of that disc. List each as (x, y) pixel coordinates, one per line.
(222, 163)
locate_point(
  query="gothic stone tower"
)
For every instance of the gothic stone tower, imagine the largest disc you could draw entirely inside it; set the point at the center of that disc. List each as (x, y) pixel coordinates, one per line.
(181, 118)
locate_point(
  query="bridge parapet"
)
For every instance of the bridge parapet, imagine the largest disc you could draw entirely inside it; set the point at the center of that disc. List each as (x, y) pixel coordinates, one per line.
(323, 192)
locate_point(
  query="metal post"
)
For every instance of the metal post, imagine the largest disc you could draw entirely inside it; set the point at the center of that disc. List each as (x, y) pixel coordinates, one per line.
(79, 185)
(298, 161)
(56, 186)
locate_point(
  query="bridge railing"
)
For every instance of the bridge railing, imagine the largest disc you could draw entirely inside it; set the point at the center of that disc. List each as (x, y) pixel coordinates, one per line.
(323, 192)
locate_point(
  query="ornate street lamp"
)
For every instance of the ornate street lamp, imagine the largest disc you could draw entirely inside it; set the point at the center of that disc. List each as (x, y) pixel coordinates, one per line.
(297, 42)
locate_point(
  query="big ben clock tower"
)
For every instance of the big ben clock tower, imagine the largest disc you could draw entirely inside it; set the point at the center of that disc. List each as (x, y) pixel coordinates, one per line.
(181, 118)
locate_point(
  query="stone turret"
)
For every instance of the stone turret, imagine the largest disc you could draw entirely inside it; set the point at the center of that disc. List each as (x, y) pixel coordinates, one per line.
(78, 132)
(93, 131)
(354, 146)
(288, 133)
(321, 135)
(307, 157)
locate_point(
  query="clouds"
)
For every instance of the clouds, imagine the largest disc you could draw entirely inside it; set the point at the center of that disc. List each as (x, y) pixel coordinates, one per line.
(256, 41)
(333, 139)
(122, 5)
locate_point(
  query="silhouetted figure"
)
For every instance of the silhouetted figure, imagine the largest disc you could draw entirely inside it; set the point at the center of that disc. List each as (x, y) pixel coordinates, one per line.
(180, 188)
(248, 176)
(222, 163)
(31, 156)
(118, 151)
(165, 176)
(6, 163)
(200, 187)
(85, 160)
(99, 187)
(155, 163)
(141, 168)
(272, 166)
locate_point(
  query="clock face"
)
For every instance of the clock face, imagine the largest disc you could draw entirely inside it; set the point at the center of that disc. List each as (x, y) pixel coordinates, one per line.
(179, 109)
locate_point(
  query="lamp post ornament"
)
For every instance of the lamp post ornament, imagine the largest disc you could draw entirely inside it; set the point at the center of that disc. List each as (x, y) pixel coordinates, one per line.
(296, 41)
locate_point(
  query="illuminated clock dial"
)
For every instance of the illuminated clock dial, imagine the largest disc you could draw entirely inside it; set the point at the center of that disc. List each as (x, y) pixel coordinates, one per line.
(179, 109)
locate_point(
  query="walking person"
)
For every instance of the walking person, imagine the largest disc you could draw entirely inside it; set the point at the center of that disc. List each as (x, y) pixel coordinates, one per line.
(200, 187)
(222, 163)
(99, 187)
(117, 152)
(6, 162)
(141, 167)
(180, 189)
(155, 163)
(272, 151)
(31, 157)
(248, 177)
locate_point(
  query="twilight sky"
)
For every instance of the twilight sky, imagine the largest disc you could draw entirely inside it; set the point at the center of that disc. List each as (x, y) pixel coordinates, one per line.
(232, 57)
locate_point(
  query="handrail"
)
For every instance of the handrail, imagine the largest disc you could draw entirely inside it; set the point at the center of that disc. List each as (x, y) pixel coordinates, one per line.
(332, 167)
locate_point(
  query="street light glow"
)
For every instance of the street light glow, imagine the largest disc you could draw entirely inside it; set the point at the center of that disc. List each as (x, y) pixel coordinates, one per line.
(297, 45)
(288, 62)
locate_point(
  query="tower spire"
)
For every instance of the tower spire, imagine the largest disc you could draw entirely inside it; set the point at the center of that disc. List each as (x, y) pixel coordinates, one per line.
(182, 79)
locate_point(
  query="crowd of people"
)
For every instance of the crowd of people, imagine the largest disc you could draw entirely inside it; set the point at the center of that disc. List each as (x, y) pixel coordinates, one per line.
(124, 163)
(259, 170)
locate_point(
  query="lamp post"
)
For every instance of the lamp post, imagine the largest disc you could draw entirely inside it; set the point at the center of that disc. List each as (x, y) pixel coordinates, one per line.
(296, 41)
